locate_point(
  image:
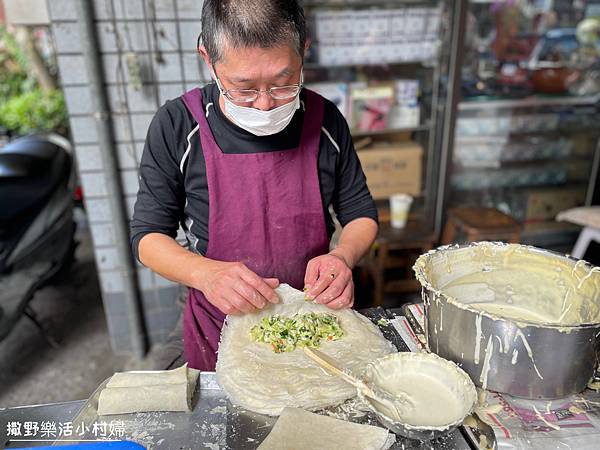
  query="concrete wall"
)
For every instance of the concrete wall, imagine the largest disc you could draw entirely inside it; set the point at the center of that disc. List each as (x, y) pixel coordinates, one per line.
(161, 36)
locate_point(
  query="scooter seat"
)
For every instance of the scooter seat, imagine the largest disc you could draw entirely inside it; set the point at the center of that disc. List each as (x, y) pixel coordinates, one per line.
(30, 169)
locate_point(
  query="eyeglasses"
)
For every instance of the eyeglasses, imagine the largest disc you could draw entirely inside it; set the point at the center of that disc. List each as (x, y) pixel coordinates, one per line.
(251, 95)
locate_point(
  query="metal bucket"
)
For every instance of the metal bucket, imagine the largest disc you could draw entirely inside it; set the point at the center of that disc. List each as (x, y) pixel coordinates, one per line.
(546, 354)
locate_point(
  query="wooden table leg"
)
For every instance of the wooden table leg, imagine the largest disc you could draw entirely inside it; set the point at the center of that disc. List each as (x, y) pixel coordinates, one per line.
(449, 233)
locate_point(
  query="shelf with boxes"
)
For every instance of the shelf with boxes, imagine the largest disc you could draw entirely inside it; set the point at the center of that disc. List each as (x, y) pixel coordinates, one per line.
(530, 158)
(382, 63)
(533, 176)
(375, 33)
(407, 129)
(493, 152)
(385, 107)
(378, 61)
(526, 136)
(363, 3)
(430, 63)
(491, 119)
(536, 101)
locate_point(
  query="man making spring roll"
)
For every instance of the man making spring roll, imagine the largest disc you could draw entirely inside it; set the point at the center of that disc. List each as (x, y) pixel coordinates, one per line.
(248, 165)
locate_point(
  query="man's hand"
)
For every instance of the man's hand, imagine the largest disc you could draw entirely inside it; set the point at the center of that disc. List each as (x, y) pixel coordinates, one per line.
(328, 281)
(235, 289)
(328, 278)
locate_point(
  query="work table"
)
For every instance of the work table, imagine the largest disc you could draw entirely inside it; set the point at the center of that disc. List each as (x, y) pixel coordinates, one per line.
(214, 422)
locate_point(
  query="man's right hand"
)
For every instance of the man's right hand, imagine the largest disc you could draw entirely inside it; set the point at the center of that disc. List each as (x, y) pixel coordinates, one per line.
(235, 289)
(230, 286)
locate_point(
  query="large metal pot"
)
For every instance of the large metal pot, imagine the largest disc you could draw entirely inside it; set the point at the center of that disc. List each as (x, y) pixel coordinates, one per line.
(528, 357)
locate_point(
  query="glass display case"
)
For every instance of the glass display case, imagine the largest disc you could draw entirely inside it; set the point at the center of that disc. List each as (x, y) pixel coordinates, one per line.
(526, 134)
(380, 63)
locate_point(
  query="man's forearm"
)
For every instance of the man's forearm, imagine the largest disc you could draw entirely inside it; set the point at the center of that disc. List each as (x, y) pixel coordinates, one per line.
(230, 286)
(165, 256)
(355, 240)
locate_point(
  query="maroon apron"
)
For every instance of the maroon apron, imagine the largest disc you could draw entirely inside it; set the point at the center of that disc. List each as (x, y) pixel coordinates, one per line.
(265, 210)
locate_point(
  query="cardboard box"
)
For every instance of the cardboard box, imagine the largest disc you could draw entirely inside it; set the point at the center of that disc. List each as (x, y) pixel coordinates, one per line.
(545, 204)
(392, 168)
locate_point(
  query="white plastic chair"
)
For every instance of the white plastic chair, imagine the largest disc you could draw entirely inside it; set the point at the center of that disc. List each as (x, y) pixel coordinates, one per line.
(589, 218)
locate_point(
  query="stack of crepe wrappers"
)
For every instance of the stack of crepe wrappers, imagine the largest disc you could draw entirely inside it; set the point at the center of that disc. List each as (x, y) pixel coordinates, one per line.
(142, 391)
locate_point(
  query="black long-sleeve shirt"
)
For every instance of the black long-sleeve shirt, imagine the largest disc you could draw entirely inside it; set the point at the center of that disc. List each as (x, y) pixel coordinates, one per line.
(173, 187)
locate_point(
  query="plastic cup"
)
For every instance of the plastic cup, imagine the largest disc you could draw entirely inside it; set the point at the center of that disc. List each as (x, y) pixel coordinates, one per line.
(399, 208)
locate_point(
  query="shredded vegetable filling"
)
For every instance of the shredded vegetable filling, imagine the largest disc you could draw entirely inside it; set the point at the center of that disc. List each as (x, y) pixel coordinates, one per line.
(284, 334)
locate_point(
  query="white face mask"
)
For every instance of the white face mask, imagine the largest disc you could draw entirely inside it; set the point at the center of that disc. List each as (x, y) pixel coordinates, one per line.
(259, 122)
(262, 123)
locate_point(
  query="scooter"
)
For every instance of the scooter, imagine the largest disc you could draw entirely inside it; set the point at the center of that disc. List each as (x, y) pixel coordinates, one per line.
(37, 182)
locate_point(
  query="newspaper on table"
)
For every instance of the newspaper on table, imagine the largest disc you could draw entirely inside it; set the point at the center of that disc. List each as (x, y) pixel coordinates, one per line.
(568, 423)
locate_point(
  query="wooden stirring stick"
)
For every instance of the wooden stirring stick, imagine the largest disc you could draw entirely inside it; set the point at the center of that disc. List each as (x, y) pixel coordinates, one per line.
(396, 403)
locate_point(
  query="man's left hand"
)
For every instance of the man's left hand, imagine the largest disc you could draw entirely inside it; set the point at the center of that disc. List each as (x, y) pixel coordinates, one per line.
(328, 280)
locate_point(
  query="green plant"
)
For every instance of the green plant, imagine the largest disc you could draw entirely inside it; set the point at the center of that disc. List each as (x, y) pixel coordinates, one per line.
(33, 111)
(13, 81)
(24, 106)
(14, 78)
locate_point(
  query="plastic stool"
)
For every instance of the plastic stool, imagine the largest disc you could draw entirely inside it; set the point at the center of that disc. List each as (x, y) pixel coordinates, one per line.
(589, 219)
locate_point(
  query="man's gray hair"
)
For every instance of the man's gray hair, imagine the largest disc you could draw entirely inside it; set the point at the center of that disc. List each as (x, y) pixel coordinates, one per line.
(252, 23)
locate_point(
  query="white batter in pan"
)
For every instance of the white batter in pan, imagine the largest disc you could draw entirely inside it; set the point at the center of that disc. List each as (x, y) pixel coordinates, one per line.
(440, 392)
